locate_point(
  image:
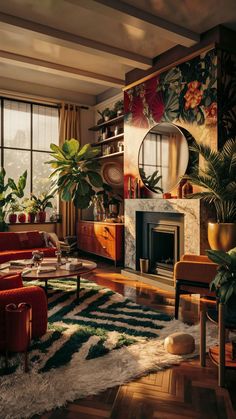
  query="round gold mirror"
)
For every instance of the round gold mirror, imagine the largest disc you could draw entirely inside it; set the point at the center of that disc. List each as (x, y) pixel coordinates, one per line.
(163, 157)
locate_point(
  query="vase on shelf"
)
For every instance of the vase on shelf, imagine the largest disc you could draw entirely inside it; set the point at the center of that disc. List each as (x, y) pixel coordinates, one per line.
(22, 217)
(31, 217)
(12, 218)
(187, 189)
(41, 217)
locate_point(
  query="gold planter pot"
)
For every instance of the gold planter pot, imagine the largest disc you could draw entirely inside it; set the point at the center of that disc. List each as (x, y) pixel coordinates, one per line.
(222, 236)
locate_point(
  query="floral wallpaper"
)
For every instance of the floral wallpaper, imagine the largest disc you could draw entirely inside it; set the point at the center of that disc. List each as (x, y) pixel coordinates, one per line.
(185, 95)
(227, 96)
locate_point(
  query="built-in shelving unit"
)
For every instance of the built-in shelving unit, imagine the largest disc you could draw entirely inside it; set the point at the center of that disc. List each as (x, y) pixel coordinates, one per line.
(104, 124)
(110, 139)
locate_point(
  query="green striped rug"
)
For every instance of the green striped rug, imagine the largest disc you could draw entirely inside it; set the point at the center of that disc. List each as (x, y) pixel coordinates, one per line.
(100, 341)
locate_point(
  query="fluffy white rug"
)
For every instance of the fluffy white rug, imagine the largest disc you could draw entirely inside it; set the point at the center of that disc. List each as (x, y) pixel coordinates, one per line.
(23, 395)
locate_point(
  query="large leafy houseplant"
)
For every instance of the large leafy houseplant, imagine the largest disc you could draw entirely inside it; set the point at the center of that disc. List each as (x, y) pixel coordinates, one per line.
(217, 178)
(9, 190)
(76, 172)
(224, 283)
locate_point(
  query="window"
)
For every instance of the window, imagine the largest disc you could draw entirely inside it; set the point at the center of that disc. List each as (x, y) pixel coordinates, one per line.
(26, 133)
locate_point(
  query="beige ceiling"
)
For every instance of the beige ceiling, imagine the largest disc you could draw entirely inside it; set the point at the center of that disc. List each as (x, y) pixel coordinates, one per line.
(85, 47)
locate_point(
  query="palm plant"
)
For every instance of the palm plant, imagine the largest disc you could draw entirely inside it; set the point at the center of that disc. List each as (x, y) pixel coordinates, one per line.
(217, 178)
(76, 172)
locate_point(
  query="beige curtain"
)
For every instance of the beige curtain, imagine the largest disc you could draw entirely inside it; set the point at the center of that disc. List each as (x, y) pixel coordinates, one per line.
(69, 127)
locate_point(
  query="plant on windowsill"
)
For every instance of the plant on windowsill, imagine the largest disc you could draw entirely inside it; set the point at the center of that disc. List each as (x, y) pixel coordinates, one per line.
(217, 178)
(76, 173)
(224, 283)
(9, 190)
(13, 208)
(30, 209)
(42, 202)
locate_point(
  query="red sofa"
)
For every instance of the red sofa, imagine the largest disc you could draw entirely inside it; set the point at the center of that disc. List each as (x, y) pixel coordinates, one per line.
(20, 245)
(12, 291)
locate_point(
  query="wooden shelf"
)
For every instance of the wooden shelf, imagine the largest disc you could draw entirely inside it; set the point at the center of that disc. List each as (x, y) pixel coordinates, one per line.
(107, 123)
(108, 140)
(118, 153)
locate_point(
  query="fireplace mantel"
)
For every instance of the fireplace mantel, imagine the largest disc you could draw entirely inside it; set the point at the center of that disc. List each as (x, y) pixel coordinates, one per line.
(195, 238)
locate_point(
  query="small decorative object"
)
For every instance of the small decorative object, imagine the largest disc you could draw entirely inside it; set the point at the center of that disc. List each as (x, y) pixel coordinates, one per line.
(41, 216)
(180, 187)
(12, 218)
(31, 217)
(98, 210)
(166, 195)
(144, 265)
(37, 258)
(22, 217)
(114, 206)
(179, 343)
(129, 187)
(58, 255)
(187, 189)
(120, 146)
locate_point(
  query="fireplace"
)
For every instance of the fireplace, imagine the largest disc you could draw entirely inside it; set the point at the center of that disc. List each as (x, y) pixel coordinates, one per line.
(159, 238)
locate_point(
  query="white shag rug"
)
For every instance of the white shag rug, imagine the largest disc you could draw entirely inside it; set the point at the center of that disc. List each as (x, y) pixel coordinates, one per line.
(23, 395)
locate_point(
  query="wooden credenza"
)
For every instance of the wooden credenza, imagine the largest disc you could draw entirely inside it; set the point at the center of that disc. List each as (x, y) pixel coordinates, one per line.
(102, 239)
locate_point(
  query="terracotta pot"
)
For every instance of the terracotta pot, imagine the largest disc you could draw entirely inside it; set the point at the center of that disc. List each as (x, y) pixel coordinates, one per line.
(31, 217)
(21, 217)
(12, 218)
(41, 217)
(222, 236)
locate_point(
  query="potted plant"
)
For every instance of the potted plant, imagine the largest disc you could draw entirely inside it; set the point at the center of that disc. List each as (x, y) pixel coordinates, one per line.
(77, 174)
(30, 208)
(8, 191)
(119, 107)
(224, 283)
(40, 204)
(217, 178)
(14, 207)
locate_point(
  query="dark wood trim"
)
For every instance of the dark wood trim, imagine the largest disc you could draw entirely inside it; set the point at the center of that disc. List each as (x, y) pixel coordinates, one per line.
(218, 37)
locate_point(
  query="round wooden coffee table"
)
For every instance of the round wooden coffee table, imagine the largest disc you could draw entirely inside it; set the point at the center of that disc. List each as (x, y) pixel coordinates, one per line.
(86, 268)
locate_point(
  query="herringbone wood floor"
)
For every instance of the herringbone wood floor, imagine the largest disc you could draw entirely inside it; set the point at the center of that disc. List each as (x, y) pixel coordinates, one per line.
(184, 391)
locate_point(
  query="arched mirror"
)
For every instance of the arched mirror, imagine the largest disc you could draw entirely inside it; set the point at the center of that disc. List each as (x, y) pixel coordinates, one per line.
(163, 157)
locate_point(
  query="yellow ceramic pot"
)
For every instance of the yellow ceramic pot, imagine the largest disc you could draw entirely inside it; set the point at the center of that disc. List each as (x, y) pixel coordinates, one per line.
(222, 236)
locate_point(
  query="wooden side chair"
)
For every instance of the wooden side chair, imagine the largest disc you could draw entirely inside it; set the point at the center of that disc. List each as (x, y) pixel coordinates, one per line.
(192, 275)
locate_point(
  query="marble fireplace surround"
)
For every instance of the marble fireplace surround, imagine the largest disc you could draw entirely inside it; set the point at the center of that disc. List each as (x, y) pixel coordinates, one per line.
(195, 236)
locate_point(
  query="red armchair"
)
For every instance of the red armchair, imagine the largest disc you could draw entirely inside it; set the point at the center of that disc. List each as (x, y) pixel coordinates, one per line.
(192, 275)
(12, 291)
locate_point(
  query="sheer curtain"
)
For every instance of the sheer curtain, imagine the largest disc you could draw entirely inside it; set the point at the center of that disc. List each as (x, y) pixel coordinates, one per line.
(69, 127)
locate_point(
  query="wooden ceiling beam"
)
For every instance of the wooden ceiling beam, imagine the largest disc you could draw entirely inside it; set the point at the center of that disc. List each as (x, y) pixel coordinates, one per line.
(141, 19)
(59, 69)
(78, 43)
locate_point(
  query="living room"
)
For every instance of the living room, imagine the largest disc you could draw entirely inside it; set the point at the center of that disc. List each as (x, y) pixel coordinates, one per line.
(117, 209)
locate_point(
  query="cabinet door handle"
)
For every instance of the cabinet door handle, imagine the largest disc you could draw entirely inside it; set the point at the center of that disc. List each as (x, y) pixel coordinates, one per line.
(104, 247)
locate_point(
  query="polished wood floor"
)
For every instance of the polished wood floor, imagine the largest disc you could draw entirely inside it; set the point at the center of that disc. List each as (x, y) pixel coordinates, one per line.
(184, 391)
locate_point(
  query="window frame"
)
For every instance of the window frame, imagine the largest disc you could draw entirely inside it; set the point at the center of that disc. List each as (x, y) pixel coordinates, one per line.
(31, 150)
